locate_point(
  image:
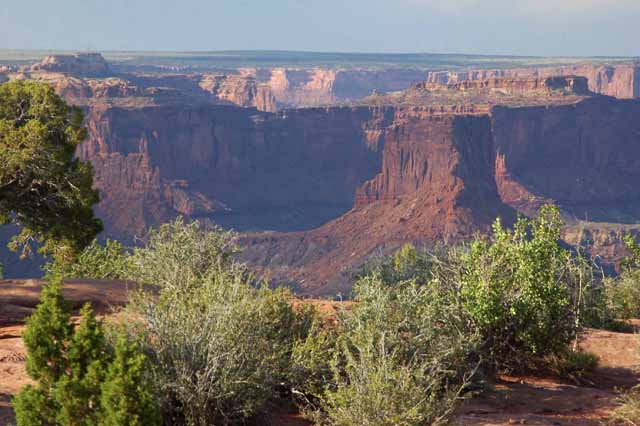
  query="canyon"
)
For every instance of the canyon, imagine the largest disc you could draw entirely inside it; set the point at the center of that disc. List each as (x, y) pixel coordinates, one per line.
(320, 169)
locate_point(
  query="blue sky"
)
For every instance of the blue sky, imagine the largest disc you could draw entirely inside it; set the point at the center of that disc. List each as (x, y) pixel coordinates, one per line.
(519, 27)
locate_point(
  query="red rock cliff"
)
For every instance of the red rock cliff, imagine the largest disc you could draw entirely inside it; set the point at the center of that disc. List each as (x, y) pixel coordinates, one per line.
(152, 163)
(443, 177)
(78, 63)
(621, 81)
(366, 178)
(312, 87)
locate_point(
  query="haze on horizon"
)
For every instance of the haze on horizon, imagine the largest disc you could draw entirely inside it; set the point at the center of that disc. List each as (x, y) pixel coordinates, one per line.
(510, 27)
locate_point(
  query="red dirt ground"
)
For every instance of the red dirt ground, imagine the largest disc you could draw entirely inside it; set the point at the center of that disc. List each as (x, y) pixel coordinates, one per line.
(514, 400)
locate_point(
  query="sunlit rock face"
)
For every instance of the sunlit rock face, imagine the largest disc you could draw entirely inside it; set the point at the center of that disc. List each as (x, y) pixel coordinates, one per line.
(620, 81)
(79, 63)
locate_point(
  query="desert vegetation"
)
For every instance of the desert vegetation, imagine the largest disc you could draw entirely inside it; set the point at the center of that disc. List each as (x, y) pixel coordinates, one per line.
(203, 341)
(82, 377)
(425, 330)
(43, 188)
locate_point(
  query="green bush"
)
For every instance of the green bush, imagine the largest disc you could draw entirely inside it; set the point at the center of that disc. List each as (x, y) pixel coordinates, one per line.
(623, 292)
(623, 295)
(221, 347)
(86, 358)
(518, 289)
(180, 254)
(408, 263)
(125, 396)
(69, 367)
(628, 414)
(574, 365)
(310, 368)
(402, 357)
(110, 261)
(632, 261)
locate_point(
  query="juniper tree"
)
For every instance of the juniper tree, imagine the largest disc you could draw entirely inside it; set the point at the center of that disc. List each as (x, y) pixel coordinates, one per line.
(127, 398)
(79, 381)
(43, 188)
(45, 337)
(87, 358)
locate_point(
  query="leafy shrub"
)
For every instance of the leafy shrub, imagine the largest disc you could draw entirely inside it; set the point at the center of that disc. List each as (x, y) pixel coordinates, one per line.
(628, 413)
(575, 365)
(632, 261)
(221, 347)
(110, 261)
(310, 369)
(623, 295)
(402, 357)
(519, 292)
(623, 292)
(408, 263)
(180, 254)
(69, 367)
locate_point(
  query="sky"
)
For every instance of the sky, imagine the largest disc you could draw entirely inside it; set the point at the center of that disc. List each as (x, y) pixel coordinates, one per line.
(511, 27)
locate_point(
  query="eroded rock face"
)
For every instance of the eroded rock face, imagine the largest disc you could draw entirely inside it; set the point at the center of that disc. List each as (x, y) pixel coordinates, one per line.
(346, 182)
(239, 90)
(620, 81)
(78, 63)
(355, 180)
(537, 86)
(436, 183)
(303, 87)
(584, 157)
(312, 87)
(444, 177)
(237, 163)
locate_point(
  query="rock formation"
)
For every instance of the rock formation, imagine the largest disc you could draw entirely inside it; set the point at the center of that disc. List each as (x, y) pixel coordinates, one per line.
(367, 177)
(79, 64)
(514, 85)
(317, 190)
(314, 87)
(234, 164)
(434, 184)
(239, 90)
(620, 81)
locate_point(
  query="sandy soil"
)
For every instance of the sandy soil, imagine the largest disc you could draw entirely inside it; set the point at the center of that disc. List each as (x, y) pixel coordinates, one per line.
(513, 400)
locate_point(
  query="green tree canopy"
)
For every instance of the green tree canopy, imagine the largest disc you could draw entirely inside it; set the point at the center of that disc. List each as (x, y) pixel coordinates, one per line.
(43, 188)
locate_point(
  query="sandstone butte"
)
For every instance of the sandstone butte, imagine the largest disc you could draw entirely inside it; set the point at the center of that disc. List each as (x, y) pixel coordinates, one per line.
(318, 190)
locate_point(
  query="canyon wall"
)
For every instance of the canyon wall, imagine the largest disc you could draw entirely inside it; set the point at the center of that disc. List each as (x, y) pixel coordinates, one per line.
(444, 177)
(341, 183)
(235, 165)
(312, 87)
(347, 182)
(585, 157)
(435, 183)
(79, 63)
(620, 81)
(304, 87)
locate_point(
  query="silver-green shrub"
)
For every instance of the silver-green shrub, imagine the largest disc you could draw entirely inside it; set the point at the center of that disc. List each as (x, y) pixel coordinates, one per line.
(109, 262)
(180, 254)
(220, 345)
(403, 356)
